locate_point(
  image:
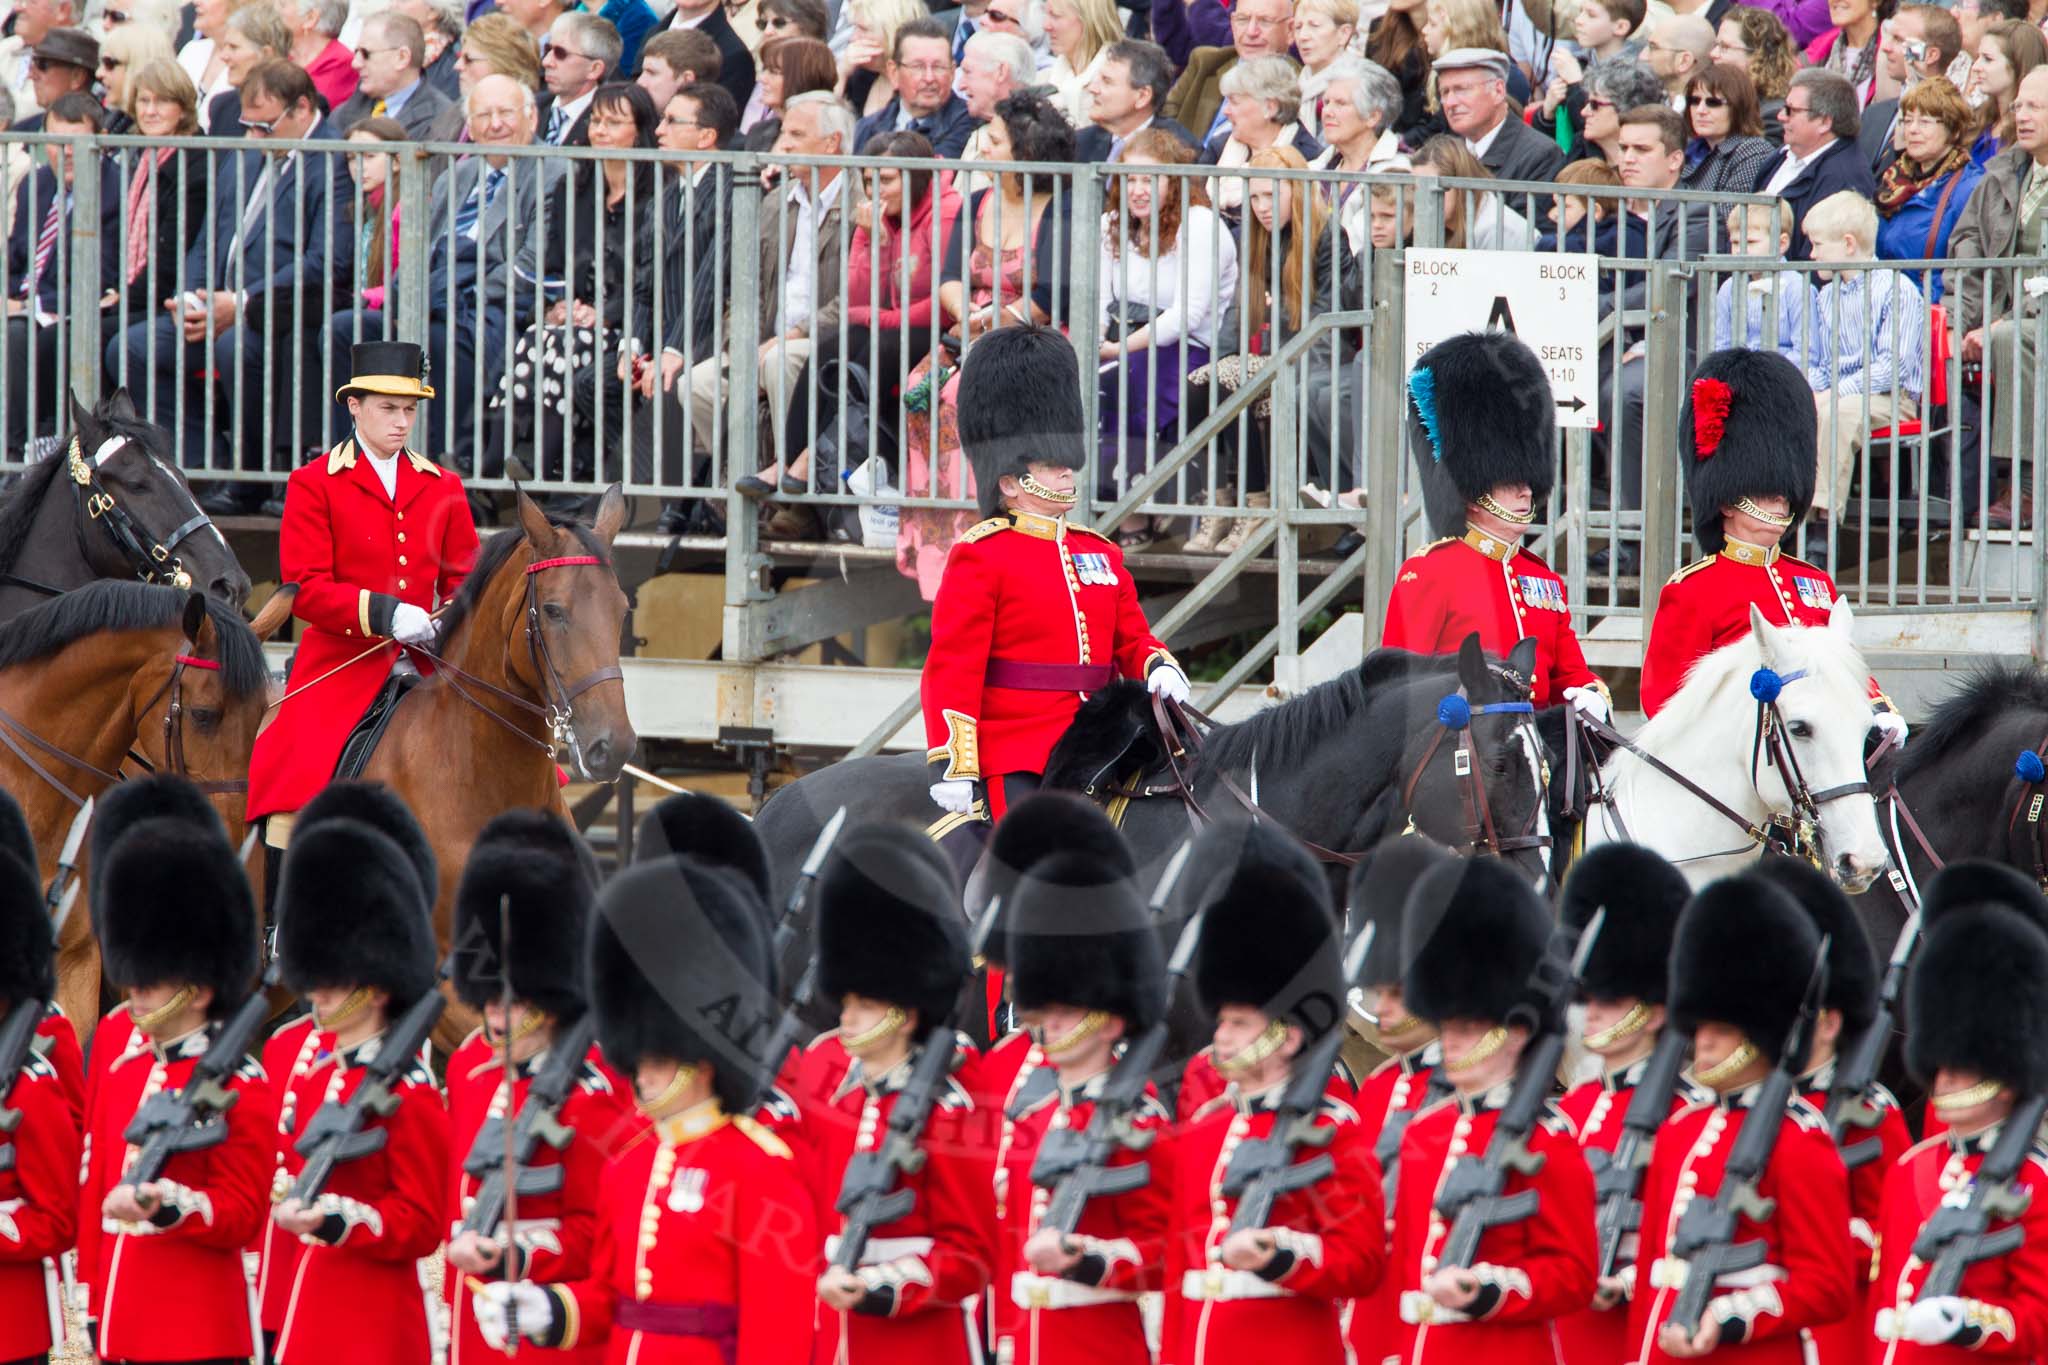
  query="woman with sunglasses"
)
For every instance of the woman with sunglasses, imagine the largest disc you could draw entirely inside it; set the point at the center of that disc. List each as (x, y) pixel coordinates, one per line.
(123, 52)
(1728, 151)
(162, 15)
(1612, 87)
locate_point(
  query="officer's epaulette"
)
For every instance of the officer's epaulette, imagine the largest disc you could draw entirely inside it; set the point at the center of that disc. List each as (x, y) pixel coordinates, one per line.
(1795, 562)
(762, 1137)
(982, 530)
(1089, 531)
(1436, 545)
(1689, 570)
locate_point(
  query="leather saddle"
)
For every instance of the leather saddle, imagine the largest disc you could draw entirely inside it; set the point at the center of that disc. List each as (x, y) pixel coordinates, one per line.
(362, 740)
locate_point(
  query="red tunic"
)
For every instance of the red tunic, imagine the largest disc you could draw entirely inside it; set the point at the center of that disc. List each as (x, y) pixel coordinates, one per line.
(1033, 590)
(1456, 586)
(1809, 1273)
(2008, 1295)
(59, 1043)
(178, 1293)
(1544, 1266)
(296, 1059)
(38, 1208)
(1087, 1321)
(555, 1230)
(1706, 605)
(113, 1042)
(1846, 1341)
(355, 553)
(699, 1210)
(937, 1257)
(1201, 1085)
(1397, 1085)
(361, 1298)
(1334, 1230)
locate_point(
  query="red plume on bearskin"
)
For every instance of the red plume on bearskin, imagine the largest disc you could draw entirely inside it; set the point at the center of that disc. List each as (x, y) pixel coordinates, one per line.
(1710, 400)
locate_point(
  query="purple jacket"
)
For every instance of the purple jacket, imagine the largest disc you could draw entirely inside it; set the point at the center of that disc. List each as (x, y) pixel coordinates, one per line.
(1805, 19)
(1181, 26)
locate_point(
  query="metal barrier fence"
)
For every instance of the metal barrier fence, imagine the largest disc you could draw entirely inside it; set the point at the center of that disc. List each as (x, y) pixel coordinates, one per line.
(592, 317)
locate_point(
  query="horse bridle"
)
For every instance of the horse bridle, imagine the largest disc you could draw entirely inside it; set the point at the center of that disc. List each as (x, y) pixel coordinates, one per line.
(1454, 715)
(153, 560)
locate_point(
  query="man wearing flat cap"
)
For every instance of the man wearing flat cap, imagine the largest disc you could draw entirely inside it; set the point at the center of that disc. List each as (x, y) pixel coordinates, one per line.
(1472, 87)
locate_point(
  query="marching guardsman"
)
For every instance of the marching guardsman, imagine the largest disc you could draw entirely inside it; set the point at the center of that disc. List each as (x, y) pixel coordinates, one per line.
(58, 1043)
(1624, 987)
(892, 950)
(1088, 975)
(1978, 999)
(1482, 425)
(1848, 1011)
(1389, 1098)
(1747, 437)
(354, 937)
(1740, 965)
(178, 930)
(375, 535)
(1269, 967)
(39, 1172)
(537, 866)
(706, 1240)
(1475, 933)
(1032, 613)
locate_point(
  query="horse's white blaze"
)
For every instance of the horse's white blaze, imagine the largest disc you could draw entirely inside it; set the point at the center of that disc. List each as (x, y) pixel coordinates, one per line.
(178, 489)
(1707, 731)
(107, 450)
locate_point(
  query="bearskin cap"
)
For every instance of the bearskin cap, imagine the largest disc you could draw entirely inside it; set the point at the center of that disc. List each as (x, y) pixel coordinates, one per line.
(383, 810)
(1078, 941)
(1977, 882)
(28, 968)
(1269, 938)
(1378, 895)
(1019, 402)
(1978, 997)
(178, 910)
(534, 863)
(707, 828)
(16, 839)
(1853, 968)
(1743, 956)
(890, 925)
(1480, 414)
(127, 804)
(1642, 895)
(1027, 836)
(350, 913)
(1475, 932)
(1747, 429)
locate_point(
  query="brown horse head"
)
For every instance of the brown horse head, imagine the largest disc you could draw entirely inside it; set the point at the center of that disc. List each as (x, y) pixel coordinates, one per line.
(574, 615)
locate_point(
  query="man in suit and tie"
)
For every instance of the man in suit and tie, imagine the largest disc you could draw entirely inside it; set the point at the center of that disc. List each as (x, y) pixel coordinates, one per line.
(921, 70)
(1820, 158)
(736, 64)
(581, 54)
(1258, 28)
(1124, 99)
(675, 59)
(390, 58)
(268, 268)
(1472, 86)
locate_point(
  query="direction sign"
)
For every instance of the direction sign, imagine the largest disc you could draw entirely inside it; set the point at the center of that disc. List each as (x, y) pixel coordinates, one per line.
(1550, 300)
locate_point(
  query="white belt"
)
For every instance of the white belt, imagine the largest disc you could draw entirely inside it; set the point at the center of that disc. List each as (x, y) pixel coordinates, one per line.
(1028, 1290)
(1217, 1285)
(882, 1250)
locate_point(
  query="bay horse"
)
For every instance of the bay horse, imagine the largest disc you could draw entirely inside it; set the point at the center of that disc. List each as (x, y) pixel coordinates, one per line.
(110, 504)
(115, 673)
(528, 660)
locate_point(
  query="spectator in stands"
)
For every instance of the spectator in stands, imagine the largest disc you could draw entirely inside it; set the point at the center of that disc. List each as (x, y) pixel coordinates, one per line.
(1820, 158)
(1611, 89)
(996, 65)
(315, 26)
(595, 261)
(63, 63)
(1922, 191)
(789, 67)
(1020, 19)
(1472, 84)
(126, 50)
(1728, 151)
(1395, 42)
(441, 23)
(1392, 214)
(1472, 218)
(254, 33)
(264, 284)
(165, 16)
(1360, 102)
(1184, 25)
(495, 45)
(1974, 17)
(735, 63)
(1261, 98)
(675, 59)
(377, 234)
(795, 19)
(163, 193)
(1457, 24)
(1768, 309)
(44, 226)
(31, 21)
(864, 79)
(1167, 265)
(921, 73)
(1324, 30)
(1678, 49)
(2003, 218)
(15, 163)
(390, 57)
(2008, 50)
(1608, 31)
(1079, 32)
(581, 54)
(1582, 222)
(634, 19)
(201, 56)
(1258, 28)
(1124, 101)
(1849, 49)
(1872, 362)
(1759, 40)
(537, 17)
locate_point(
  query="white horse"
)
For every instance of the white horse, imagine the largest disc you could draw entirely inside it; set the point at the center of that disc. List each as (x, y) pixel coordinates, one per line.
(1707, 731)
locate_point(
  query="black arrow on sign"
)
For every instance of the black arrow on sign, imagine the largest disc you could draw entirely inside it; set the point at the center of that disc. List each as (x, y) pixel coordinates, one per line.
(1574, 402)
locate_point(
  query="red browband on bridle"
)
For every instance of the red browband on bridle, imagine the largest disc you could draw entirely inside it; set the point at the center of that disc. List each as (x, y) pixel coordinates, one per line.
(563, 562)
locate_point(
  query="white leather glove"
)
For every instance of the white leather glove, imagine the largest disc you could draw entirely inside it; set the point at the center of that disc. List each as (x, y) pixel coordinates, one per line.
(410, 625)
(1169, 682)
(529, 1302)
(1589, 701)
(955, 794)
(1890, 724)
(1933, 1322)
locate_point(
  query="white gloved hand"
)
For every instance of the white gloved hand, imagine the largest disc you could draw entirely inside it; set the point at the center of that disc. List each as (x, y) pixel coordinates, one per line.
(955, 794)
(410, 625)
(1936, 1321)
(1166, 680)
(529, 1302)
(1891, 725)
(1588, 700)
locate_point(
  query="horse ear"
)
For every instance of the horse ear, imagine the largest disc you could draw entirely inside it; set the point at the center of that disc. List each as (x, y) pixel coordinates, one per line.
(86, 425)
(275, 612)
(611, 514)
(1472, 665)
(120, 405)
(195, 616)
(1765, 634)
(1522, 658)
(1842, 619)
(534, 522)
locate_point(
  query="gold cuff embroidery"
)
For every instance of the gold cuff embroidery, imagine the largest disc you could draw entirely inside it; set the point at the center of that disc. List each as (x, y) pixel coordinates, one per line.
(565, 1304)
(363, 610)
(962, 750)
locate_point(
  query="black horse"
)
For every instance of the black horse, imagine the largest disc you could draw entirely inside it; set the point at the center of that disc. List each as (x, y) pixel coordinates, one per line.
(59, 531)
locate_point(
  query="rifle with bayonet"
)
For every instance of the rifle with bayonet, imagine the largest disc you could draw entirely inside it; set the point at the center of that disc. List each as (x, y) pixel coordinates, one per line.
(1849, 1108)
(1263, 1168)
(1958, 1236)
(194, 1116)
(339, 1130)
(538, 1124)
(67, 858)
(791, 1025)
(1618, 1175)
(1473, 1196)
(17, 1042)
(1704, 1240)
(1386, 1149)
(1074, 1163)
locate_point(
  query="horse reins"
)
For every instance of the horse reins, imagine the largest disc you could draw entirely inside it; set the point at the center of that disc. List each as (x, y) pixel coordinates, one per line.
(152, 560)
(1454, 715)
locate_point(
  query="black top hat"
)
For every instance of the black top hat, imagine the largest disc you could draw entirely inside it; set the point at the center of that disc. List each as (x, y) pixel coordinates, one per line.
(394, 368)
